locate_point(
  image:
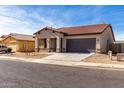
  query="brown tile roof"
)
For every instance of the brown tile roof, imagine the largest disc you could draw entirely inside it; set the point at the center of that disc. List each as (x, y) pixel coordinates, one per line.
(88, 29)
(79, 30)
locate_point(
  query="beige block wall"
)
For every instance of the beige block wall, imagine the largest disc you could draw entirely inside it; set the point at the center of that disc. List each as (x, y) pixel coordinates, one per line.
(106, 35)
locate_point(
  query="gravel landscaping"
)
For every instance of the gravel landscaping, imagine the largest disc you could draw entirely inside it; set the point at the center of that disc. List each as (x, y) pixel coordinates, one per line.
(27, 55)
(102, 58)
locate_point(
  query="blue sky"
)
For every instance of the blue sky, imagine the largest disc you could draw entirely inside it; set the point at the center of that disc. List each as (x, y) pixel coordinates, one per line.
(28, 19)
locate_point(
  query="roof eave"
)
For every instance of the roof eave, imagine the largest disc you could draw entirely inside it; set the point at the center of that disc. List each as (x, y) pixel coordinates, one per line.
(82, 34)
(54, 30)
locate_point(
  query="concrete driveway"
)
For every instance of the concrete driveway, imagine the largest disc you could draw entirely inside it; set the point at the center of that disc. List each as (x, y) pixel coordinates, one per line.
(68, 56)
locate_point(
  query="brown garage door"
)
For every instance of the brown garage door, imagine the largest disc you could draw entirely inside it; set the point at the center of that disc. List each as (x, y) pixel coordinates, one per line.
(81, 45)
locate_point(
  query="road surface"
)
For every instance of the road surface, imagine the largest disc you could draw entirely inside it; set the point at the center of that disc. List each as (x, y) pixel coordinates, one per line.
(23, 74)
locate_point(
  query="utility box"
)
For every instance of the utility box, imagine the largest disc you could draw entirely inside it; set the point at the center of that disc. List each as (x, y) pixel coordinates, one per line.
(110, 55)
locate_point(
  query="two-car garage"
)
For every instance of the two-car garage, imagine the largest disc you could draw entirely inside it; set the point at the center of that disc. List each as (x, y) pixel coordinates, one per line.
(85, 45)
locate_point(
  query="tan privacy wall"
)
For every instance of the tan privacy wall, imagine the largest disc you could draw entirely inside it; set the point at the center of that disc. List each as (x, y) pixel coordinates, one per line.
(106, 38)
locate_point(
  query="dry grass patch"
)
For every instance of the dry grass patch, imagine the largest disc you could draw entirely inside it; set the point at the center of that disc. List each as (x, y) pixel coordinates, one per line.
(29, 55)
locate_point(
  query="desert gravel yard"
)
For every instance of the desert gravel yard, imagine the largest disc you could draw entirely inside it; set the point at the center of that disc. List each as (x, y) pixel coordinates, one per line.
(26, 55)
(102, 58)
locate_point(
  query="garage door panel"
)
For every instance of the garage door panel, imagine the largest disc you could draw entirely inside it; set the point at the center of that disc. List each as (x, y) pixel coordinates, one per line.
(81, 45)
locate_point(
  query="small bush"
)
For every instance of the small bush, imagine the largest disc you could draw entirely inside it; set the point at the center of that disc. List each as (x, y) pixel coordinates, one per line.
(9, 50)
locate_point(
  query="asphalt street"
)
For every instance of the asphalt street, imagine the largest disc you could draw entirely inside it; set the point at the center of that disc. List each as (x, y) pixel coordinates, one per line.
(34, 75)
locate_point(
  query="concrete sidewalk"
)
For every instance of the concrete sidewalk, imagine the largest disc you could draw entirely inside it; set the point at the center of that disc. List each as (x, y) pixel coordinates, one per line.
(66, 63)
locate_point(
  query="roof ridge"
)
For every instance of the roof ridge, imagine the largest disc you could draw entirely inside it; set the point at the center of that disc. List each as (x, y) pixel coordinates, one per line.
(82, 26)
(20, 34)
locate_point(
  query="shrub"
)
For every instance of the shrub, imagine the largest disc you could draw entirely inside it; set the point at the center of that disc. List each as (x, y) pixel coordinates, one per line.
(9, 50)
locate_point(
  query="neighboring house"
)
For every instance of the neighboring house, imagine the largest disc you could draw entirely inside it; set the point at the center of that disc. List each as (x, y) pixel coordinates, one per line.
(90, 38)
(19, 42)
(0, 40)
(118, 46)
(2, 37)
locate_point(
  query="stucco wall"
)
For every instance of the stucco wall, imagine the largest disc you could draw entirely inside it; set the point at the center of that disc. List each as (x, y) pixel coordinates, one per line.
(122, 48)
(19, 45)
(49, 34)
(106, 35)
(9, 40)
(26, 46)
(53, 43)
(11, 43)
(101, 39)
(41, 43)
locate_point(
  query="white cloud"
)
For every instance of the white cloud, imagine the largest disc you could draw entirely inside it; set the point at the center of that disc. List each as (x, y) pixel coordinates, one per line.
(120, 37)
(14, 19)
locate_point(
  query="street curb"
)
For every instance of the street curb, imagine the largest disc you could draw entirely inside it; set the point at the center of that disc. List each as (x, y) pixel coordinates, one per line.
(63, 63)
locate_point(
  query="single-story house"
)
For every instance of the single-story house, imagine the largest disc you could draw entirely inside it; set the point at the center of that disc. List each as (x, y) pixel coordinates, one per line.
(89, 38)
(19, 42)
(0, 40)
(118, 46)
(2, 37)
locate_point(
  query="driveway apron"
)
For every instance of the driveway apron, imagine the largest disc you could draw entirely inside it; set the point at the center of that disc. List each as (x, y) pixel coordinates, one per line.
(68, 56)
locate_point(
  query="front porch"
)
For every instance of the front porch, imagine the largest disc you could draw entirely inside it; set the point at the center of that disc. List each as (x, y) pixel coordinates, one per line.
(48, 45)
